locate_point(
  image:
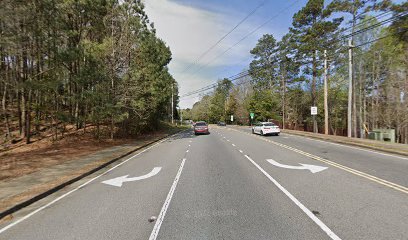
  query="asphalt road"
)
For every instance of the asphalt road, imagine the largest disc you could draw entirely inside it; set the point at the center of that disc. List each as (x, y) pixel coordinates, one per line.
(230, 185)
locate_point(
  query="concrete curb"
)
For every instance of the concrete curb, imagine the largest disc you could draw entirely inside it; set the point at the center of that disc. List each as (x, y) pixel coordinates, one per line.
(69, 182)
(349, 143)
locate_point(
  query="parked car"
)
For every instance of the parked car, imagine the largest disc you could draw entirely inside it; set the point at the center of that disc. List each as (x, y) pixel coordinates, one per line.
(201, 128)
(266, 128)
(221, 124)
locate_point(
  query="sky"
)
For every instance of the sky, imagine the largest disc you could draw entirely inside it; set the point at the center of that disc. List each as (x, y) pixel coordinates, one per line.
(191, 27)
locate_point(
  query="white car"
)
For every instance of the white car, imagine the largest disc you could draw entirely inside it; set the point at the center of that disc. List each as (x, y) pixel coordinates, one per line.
(266, 128)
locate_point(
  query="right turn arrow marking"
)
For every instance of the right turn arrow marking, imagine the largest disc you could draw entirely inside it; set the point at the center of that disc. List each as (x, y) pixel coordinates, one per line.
(312, 168)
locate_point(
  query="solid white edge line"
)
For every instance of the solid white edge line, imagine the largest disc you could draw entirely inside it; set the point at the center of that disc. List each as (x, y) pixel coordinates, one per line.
(75, 189)
(156, 228)
(315, 219)
(347, 146)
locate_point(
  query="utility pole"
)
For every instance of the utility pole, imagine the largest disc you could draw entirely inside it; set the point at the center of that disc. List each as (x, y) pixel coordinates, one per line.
(181, 116)
(172, 104)
(283, 94)
(326, 108)
(315, 128)
(350, 90)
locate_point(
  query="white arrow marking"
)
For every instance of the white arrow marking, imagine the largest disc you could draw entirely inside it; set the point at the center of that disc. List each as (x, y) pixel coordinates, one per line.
(117, 182)
(312, 168)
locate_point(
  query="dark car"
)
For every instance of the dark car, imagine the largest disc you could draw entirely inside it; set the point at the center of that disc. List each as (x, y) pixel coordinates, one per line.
(201, 128)
(221, 124)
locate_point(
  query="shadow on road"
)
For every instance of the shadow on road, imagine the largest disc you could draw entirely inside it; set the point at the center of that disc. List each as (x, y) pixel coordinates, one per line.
(182, 135)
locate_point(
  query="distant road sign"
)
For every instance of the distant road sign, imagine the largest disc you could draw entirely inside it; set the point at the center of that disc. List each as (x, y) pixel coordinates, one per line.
(232, 118)
(313, 110)
(252, 115)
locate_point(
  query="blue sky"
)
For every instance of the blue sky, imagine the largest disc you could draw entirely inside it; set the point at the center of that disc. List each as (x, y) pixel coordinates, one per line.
(190, 27)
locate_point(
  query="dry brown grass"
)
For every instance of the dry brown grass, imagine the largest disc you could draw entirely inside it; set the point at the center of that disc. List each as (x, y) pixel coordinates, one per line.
(28, 158)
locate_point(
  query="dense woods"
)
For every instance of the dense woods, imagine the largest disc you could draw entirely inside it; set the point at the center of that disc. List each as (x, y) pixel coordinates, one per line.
(310, 66)
(82, 63)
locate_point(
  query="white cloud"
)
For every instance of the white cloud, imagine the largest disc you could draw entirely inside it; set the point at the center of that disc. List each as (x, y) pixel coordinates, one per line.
(186, 29)
(190, 31)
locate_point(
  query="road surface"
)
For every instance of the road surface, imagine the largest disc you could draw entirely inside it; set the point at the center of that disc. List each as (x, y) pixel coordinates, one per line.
(231, 185)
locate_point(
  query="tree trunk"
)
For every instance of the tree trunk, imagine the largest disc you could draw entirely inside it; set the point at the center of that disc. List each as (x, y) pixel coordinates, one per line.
(360, 101)
(5, 112)
(37, 112)
(23, 114)
(354, 113)
(326, 87)
(315, 130)
(372, 96)
(28, 118)
(283, 89)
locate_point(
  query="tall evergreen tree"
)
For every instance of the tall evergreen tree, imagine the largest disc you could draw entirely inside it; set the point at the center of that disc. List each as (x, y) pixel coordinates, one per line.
(311, 28)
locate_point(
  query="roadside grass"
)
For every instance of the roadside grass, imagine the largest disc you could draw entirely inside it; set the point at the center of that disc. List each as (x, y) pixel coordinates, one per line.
(45, 152)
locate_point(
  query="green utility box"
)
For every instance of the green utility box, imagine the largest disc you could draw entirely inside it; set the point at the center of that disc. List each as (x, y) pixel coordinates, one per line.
(386, 135)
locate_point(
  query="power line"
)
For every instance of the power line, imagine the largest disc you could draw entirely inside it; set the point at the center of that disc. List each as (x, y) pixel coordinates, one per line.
(375, 25)
(246, 73)
(214, 85)
(209, 87)
(246, 36)
(380, 38)
(381, 15)
(223, 37)
(266, 22)
(374, 40)
(225, 69)
(363, 30)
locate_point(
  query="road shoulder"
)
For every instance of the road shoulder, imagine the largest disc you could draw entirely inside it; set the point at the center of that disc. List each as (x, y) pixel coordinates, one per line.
(393, 148)
(20, 192)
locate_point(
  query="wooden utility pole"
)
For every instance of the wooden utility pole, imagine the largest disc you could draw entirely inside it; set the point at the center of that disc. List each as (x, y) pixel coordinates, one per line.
(326, 108)
(350, 90)
(315, 130)
(283, 94)
(172, 104)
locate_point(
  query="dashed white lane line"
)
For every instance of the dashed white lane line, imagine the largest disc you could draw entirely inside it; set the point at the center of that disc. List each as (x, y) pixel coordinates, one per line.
(166, 204)
(323, 226)
(228, 140)
(187, 151)
(189, 145)
(233, 145)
